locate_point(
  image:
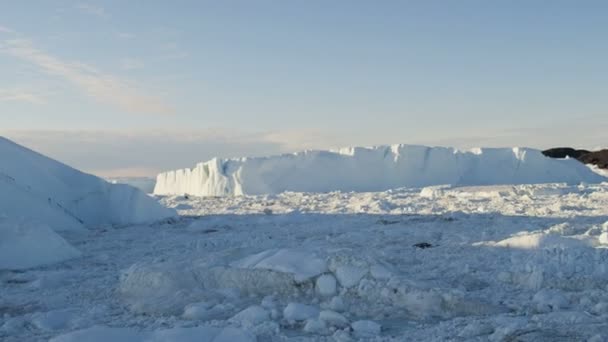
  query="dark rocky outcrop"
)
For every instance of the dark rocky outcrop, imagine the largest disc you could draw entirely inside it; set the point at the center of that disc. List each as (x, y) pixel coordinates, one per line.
(563, 152)
(598, 158)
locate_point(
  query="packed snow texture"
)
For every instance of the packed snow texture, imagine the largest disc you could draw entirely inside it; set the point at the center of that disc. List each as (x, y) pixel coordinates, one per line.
(38, 188)
(371, 169)
(25, 245)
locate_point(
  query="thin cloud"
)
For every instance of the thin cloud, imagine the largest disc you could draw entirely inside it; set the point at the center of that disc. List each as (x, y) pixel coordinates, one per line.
(100, 86)
(4, 29)
(20, 96)
(92, 9)
(131, 64)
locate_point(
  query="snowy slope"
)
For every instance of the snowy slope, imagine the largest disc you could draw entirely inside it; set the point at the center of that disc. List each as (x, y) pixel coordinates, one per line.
(371, 169)
(21, 203)
(38, 188)
(24, 245)
(144, 184)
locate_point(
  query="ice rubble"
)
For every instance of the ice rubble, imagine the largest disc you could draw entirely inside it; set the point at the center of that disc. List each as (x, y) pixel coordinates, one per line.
(277, 277)
(41, 189)
(196, 334)
(371, 169)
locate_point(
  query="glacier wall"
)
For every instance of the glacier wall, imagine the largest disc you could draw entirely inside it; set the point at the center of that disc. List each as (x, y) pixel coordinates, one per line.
(37, 188)
(371, 169)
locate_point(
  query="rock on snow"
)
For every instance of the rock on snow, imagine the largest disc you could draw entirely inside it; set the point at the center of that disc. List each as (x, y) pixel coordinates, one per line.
(371, 169)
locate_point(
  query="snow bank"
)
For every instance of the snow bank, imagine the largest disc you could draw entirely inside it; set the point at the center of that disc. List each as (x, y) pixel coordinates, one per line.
(25, 245)
(39, 188)
(371, 169)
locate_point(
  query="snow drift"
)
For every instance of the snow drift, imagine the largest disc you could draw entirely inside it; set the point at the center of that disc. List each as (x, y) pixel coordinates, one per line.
(38, 188)
(371, 169)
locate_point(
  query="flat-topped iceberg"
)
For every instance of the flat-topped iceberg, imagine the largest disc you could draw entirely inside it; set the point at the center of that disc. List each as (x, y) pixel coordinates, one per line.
(371, 169)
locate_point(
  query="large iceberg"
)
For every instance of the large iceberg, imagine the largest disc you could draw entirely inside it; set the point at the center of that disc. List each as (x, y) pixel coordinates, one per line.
(371, 169)
(37, 188)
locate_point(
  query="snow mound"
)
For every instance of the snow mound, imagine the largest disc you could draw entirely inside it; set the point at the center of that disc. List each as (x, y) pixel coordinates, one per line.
(198, 334)
(371, 169)
(39, 188)
(25, 245)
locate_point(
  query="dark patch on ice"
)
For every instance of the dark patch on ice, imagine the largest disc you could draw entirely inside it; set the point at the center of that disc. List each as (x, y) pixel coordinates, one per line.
(423, 245)
(386, 222)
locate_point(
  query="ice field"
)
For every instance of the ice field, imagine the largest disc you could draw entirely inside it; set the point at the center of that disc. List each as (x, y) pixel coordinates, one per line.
(523, 263)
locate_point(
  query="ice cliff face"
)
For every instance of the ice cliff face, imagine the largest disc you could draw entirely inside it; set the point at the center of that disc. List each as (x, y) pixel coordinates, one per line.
(37, 188)
(371, 169)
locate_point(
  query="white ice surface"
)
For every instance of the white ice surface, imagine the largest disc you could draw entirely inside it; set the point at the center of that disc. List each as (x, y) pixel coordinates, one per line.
(371, 169)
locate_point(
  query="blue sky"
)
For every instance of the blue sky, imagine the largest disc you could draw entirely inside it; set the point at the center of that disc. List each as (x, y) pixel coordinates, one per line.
(136, 87)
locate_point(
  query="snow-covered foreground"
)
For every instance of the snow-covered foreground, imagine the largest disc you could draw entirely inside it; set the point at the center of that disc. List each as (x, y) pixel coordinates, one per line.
(499, 263)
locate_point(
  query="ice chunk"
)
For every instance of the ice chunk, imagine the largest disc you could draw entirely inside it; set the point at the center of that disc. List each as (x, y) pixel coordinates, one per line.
(366, 328)
(300, 312)
(302, 264)
(326, 285)
(251, 316)
(349, 276)
(333, 318)
(315, 326)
